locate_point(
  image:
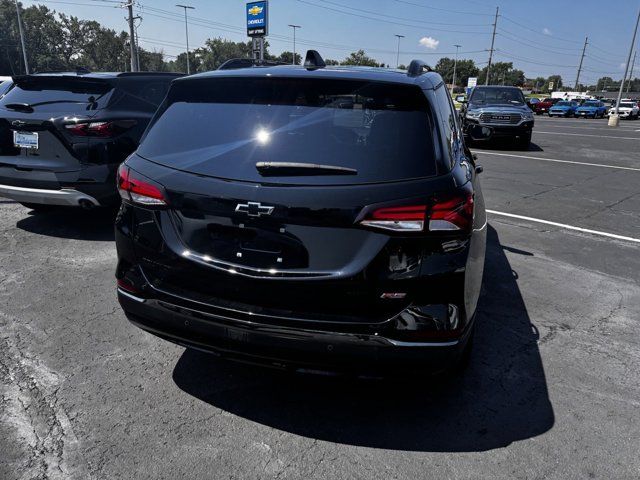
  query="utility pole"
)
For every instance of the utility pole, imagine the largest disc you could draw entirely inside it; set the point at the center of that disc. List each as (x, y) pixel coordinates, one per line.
(294, 27)
(137, 17)
(24, 50)
(398, 54)
(455, 66)
(633, 65)
(584, 49)
(493, 40)
(614, 120)
(186, 31)
(132, 38)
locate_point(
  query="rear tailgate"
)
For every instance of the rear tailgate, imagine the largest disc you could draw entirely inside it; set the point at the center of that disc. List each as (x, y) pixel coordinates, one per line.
(297, 241)
(36, 150)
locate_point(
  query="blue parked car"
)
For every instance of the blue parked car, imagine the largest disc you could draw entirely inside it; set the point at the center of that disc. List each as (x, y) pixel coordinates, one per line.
(563, 108)
(592, 108)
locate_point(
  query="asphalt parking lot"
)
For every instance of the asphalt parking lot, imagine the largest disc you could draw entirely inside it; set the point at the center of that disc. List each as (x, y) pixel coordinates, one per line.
(553, 389)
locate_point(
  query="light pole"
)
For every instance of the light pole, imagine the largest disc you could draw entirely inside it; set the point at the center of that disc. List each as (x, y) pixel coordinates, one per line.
(398, 55)
(614, 119)
(24, 51)
(186, 30)
(455, 66)
(294, 27)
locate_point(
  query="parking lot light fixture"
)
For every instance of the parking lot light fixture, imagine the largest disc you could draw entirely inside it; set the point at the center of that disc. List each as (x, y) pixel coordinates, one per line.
(455, 66)
(614, 119)
(294, 27)
(186, 30)
(398, 54)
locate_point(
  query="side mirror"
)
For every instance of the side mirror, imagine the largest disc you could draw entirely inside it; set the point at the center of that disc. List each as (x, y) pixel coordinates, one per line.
(461, 99)
(479, 169)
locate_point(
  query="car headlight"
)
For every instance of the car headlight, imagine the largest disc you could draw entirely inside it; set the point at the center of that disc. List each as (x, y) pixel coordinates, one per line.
(473, 114)
(527, 116)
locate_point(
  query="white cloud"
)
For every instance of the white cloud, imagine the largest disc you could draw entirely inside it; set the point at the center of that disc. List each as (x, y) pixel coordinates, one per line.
(546, 31)
(429, 42)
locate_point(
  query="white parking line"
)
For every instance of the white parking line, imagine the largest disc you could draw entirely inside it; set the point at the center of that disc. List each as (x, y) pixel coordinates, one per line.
(565, 226)
(586, 135)
(529, 157)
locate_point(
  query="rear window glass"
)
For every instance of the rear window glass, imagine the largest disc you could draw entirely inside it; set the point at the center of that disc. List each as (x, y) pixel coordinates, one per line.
(58, 94)
(223, 127)
(497, 95)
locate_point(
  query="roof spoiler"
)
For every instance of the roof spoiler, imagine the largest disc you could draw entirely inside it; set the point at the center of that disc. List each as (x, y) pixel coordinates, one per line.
(417, 68)
(313, 60)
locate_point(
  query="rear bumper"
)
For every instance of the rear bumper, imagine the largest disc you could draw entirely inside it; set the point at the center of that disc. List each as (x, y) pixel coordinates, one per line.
(64, 196)
(289, 348)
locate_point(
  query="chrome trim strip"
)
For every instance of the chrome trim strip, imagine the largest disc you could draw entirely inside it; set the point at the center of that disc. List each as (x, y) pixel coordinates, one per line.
(132, 297)
(398, 343)
(65, 196)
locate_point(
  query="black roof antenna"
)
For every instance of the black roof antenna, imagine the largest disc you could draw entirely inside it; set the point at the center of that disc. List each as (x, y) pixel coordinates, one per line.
(313, 60)
(417, 67)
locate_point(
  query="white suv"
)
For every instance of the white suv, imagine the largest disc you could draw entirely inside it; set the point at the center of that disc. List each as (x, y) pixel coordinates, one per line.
(627, 109)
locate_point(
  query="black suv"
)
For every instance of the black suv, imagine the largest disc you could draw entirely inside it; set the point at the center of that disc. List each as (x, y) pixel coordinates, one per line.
(311, 217)
(497, 112)
(63, 135)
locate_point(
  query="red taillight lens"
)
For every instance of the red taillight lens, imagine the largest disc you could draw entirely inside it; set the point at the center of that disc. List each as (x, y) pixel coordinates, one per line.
(100, 129)
(444, 214)
(452, 214)
(134, 188)
(409, 218)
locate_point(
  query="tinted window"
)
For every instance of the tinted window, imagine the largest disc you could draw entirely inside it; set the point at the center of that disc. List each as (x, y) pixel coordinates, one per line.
(590, 104)
(448, 118)
(564, 104)
(497, 95)
(143, 95)
(223, 127)
(55, 94)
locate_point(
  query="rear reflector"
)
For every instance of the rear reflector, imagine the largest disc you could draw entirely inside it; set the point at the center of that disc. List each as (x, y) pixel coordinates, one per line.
(138, 189)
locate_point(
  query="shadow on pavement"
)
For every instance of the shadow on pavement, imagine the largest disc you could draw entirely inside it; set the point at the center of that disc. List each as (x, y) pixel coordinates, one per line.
(501, 398)
(504, 144)
(72, 223)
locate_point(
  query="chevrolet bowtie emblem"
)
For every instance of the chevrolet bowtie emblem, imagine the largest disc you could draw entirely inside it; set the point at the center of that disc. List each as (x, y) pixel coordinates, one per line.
(254, 209)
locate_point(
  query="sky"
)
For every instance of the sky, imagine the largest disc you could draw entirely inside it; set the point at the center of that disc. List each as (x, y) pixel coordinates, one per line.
(542, 38)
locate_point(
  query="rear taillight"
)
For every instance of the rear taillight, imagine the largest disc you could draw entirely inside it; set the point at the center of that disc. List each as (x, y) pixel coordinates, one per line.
(446, 214)
(138, 189)
(99, 129)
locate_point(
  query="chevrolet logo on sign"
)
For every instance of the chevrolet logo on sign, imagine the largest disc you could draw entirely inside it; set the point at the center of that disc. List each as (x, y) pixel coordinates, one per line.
(257, 18)
(254, 209)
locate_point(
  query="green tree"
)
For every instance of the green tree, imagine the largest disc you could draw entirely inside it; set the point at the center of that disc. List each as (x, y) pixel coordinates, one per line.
(287, 57)
(360, 58)
(502, 73)
(464, 70)
(557, 83)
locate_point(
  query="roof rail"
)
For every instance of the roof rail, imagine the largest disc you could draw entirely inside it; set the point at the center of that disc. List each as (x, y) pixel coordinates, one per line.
(235, 63)
(417, 67)
(313, 60)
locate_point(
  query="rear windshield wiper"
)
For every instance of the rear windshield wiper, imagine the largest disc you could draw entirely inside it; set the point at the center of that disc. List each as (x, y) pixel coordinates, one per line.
(299, 169)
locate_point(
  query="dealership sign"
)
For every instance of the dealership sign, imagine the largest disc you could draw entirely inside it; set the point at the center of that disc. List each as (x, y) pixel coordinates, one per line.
(472, 82)
(257, 19)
